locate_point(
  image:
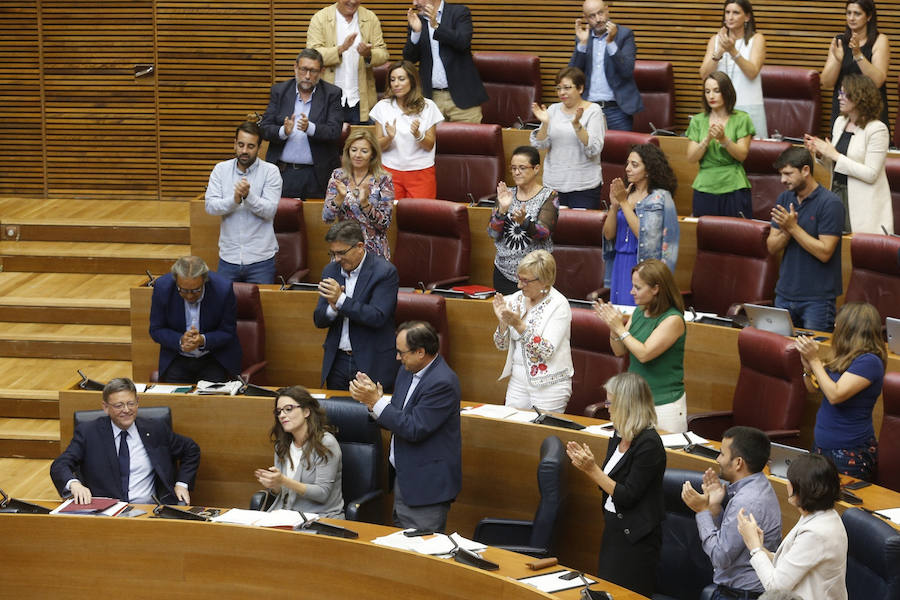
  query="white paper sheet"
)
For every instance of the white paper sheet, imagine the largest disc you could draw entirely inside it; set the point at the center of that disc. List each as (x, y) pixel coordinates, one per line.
(601, 430)
(551, 582)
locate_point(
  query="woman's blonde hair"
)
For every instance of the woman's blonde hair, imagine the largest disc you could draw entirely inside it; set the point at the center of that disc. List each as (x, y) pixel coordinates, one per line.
(374, 162)
(541, 264)
(857, 330)
(633, 401)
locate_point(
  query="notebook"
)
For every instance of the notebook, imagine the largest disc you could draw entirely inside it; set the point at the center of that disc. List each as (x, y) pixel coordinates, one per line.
(769, 318)
(780, 458)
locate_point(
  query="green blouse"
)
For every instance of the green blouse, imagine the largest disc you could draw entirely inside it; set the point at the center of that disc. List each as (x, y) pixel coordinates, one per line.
(720, 172)
(665, 373)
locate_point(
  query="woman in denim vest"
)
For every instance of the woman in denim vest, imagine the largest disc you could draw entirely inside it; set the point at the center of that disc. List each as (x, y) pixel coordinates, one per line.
(642, 221)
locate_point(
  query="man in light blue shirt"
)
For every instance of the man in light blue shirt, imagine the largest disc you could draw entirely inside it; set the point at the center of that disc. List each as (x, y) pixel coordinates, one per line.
(245, 191)
(745, 451)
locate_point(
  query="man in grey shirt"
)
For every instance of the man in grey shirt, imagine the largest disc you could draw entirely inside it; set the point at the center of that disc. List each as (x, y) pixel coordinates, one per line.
(745, 451)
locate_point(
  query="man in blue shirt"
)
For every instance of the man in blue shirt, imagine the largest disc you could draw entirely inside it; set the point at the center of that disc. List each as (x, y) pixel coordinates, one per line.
(605, 52)
(806, 224)
(745, 451)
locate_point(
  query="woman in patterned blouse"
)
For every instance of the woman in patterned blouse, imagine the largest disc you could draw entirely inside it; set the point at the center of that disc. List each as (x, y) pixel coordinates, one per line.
(361, 190)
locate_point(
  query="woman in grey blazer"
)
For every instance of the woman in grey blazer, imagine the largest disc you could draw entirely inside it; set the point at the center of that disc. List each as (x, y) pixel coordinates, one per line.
(307, 472)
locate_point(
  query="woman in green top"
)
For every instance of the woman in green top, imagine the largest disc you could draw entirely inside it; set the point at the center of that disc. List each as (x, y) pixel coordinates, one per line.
(653, 337)
(720, 140)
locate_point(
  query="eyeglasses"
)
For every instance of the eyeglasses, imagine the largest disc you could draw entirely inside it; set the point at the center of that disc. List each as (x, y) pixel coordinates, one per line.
(340, 253)
(308, 71)
(120, 406)
(287, 409)
(182, 290)
(564, 88)
(526, 281)
(518, 169)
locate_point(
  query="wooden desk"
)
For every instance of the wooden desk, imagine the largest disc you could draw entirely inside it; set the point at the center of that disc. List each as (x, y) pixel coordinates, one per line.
(294, 352)
(58, 556)
(499, 464)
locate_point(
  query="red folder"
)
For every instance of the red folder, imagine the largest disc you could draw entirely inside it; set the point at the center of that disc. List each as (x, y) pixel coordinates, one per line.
(96, 505)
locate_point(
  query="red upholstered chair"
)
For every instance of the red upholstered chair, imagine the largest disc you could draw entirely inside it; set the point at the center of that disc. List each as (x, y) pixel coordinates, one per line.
(732, 266)
(468, 160)
(897, 121)
(433, 243)
(290, 231)
(656, 83)
(513, 83)
(251, 331)
(792, 99)
(769, 395)
(381, 77)
(578, 250)
(889, 438)
(765, 181)
(412, 306)
(594, 363)
(892, 168)
(875, 277)
(616, 147)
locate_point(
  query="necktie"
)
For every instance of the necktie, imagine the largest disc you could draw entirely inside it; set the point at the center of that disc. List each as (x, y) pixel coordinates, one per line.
(124, 463)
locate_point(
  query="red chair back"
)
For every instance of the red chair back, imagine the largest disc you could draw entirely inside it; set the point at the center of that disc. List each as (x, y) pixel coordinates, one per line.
(765, 181)
(578, 251)
(656, 83)
(290, 232)
(468, 160)
(733, 264)
(593, 359)
(889, 438)
(251, 331)
(875, 277)
(433, 243)
(412, 306)
(513, 82)
(616, 148)
(892, 168)
(792, 99)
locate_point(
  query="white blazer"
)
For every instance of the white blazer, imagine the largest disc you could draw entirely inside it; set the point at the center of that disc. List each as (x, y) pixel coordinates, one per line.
(868, 193)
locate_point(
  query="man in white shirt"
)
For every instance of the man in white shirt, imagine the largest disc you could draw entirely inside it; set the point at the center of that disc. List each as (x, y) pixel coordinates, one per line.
(349, 38)
(245, 191)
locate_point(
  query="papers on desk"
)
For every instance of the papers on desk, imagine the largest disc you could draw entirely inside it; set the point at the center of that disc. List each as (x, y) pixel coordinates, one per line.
(501, 411)
(140, 388)
(437, 544)
(891, 514)
(258, 518)
(228, 388)
(680, 440)
(601, 430)
(319, 396)
(696, 316)
(99, 507)
(551, 582)
(163, 388)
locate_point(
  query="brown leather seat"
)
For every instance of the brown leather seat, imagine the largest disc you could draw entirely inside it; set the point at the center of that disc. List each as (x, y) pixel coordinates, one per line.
(733, 265)
(251, 332)
(656, 83)
(769, 394)
(875, 277)
(594, 363)
(513, 82)
(290, 232)
(412, 306)
(433, 243)
(889, 438)
(616, 148)
(765, 181)
(792, 99)
(892, 168)
(578, 251)
(468, 160)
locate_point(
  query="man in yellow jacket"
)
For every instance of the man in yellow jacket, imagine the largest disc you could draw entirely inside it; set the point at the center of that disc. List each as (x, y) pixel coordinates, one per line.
(350, 40)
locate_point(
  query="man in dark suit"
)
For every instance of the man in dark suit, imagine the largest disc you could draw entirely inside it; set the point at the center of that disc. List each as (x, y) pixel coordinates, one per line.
(423, 415)
(193, 319)
(599, 41)
(357, 299)
(126, 457)
(303, 125)
(439, 38)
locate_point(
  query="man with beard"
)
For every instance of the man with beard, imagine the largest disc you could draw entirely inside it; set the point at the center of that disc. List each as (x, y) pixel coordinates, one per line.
(245, 191)
(807, 224)
(605, 52)
(303, 125)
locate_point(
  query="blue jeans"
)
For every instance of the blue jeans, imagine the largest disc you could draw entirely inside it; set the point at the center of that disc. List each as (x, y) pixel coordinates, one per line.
(259, 272)
(811, 314)
(617, 119)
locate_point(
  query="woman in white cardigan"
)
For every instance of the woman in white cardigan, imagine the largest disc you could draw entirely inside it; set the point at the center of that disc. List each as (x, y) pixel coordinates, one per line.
(858, 148)
(534, 328)
(812, 559)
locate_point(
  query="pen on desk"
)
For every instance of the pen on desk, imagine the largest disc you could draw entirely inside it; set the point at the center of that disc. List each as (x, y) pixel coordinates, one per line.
(874, 512)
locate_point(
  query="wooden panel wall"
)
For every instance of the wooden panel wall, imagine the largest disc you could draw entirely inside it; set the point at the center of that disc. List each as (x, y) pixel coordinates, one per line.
(68, 90)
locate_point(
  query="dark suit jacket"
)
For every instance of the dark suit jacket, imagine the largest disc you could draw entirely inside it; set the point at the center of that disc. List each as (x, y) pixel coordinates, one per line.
(218, 313)
(325, 112)
(454, 36)
(619, 70)
(639, 475)
(92, 458)
(371, 314)
(427, 439)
